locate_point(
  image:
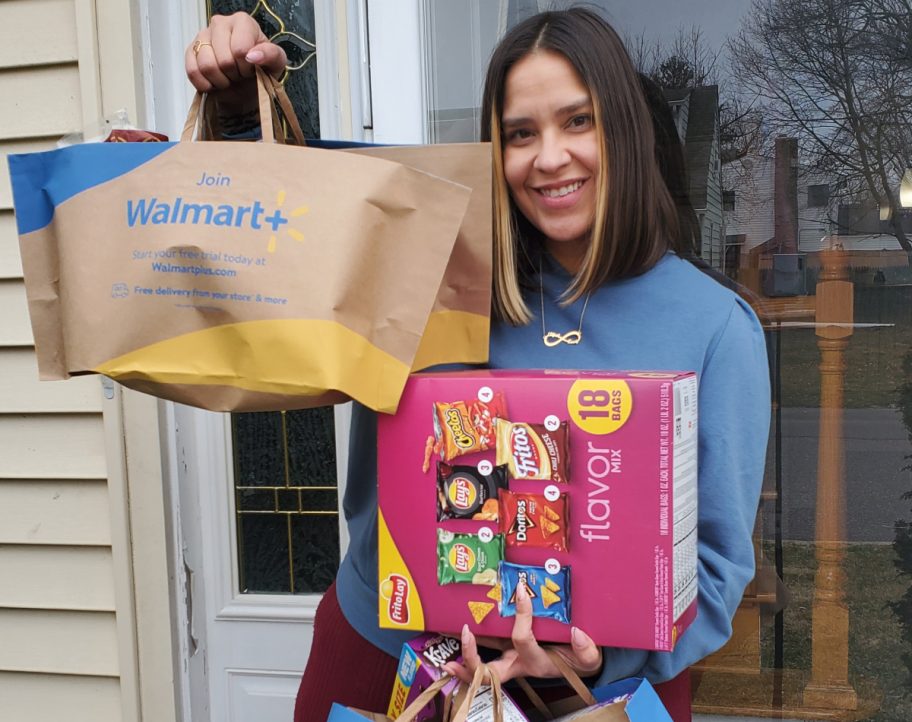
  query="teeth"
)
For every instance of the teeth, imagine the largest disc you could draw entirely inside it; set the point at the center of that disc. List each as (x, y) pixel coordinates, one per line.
(560, 192)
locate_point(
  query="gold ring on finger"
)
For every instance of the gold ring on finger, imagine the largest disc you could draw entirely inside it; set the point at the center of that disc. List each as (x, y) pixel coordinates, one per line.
(199, 45)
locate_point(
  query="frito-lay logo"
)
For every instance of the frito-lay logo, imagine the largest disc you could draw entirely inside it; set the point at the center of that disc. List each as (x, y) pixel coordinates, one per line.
(462, 493)
(525, 453)
(396, 589)
(461, 437)
(522, 522)
(462, 558)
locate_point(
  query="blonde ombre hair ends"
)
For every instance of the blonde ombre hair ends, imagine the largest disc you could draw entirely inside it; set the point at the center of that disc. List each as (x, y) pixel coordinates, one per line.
(635, 216)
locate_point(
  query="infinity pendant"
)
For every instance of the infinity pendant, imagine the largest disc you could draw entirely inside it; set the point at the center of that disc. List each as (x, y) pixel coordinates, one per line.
(553, 338)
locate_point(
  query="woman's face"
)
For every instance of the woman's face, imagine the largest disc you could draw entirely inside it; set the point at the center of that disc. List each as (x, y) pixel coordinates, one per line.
(551, 157)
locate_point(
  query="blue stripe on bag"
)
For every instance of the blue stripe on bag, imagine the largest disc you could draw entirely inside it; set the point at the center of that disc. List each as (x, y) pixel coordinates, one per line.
(73, 169)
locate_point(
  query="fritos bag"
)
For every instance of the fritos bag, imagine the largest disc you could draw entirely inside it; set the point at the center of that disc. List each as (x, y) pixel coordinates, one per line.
(254, 276)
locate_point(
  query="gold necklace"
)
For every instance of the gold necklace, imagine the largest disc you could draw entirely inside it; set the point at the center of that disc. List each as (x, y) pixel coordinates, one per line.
(553, 338)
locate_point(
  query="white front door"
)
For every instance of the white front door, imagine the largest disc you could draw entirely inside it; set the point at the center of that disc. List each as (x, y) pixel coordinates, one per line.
(260, 533)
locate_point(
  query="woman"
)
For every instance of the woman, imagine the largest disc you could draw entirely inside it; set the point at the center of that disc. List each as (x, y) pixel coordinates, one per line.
(585, 277)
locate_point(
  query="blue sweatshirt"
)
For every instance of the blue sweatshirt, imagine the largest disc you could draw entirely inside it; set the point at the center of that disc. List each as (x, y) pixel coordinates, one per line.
(671, 318)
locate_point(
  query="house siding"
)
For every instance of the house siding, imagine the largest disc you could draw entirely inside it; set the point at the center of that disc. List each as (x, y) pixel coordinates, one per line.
(753, 181)
(713, 232)
(61, 651)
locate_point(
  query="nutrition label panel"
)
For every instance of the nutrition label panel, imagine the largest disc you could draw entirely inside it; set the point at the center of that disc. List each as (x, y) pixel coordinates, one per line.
(685, 493)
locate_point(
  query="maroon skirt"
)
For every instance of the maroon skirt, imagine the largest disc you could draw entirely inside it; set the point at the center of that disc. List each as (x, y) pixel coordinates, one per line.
(344, 667)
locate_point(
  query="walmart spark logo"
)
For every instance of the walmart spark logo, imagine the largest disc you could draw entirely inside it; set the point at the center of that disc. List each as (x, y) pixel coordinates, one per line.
(154, 211)
(293, 232)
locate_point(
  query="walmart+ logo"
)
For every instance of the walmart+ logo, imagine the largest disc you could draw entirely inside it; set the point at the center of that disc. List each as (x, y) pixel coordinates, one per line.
(153, 211)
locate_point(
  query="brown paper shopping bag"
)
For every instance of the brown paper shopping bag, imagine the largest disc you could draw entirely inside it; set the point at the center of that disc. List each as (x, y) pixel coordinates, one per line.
(457, 330)
(456, 709)
(241, 276)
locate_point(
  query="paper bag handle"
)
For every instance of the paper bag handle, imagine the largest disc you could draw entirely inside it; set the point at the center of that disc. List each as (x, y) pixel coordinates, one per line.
(573, 679)
(269, 90)
(569, 674)
(465, 696)
(419, 703)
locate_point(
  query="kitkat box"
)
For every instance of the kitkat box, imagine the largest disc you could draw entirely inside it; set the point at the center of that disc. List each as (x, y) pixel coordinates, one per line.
(581, 486)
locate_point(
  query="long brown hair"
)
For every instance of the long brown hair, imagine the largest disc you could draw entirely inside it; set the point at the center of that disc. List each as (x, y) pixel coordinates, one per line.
(635, 217)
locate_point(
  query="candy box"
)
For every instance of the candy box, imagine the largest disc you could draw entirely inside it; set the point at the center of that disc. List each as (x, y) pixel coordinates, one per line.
(421, 663)
(598, 520)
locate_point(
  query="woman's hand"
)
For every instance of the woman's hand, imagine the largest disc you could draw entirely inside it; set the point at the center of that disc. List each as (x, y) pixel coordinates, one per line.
(521, 655)
(222, 57)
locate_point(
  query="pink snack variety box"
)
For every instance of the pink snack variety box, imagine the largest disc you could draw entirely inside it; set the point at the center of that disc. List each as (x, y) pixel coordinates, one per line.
(579, 485)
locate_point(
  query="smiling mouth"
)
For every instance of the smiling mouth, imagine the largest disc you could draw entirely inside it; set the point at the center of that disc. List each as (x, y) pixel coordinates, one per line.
(562, 190)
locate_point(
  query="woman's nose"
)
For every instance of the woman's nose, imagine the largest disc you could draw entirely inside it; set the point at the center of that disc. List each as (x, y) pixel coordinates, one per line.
(552, 154)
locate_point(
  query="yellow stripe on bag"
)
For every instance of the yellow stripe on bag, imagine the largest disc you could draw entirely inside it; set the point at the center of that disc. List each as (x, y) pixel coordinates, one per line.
(453, 337)
(316, 355)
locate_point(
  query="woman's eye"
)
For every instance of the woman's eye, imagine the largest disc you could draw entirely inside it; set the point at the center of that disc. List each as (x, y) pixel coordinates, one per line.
(518, 135)
(581, 121)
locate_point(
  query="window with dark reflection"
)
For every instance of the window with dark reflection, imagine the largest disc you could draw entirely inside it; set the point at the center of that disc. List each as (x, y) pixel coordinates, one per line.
(813, 131)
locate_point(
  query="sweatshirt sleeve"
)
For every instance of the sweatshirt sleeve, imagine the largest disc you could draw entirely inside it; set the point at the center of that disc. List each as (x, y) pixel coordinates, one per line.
(734, 418)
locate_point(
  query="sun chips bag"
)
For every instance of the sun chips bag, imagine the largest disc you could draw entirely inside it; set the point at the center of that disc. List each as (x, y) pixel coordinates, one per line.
(254, 276)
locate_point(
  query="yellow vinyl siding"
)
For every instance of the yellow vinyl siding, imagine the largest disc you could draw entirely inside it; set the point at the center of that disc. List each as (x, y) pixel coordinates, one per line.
(15, 329)
(55, 642)
(40, 101)
(54, 512)
(22, 392)
(66, 618)
(39, 697)
(61, 577)
(10, 263)
(50, 446)
(25, 22)
(9, 147)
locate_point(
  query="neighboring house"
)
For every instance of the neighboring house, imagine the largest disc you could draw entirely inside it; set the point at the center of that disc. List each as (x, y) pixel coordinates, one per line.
(696, 114)
(748, 203)
(822, 221)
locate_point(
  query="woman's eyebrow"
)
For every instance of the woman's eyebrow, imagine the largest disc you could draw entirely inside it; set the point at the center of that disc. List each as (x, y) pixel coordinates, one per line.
(569, 109)
(574, 107)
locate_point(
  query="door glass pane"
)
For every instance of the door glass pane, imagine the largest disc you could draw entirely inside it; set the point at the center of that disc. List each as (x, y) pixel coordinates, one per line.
(286, 501)
(290, 23)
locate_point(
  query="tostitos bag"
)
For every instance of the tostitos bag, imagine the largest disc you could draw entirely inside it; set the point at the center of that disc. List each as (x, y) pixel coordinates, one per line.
(254, 276)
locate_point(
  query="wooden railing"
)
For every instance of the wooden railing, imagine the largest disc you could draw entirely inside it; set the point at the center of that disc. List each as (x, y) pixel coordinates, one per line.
(734, 681)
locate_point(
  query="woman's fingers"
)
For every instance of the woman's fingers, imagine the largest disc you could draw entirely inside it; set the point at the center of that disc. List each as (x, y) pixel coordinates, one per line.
(222, 57)
(586, 653)
(523, 638)
(269, 56)
(522, 656)
(470, 658)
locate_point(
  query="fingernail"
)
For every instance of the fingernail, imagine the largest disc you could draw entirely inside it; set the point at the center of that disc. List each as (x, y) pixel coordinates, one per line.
(521, 592)
(466, 634)
(254, 56)
(578, 638)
